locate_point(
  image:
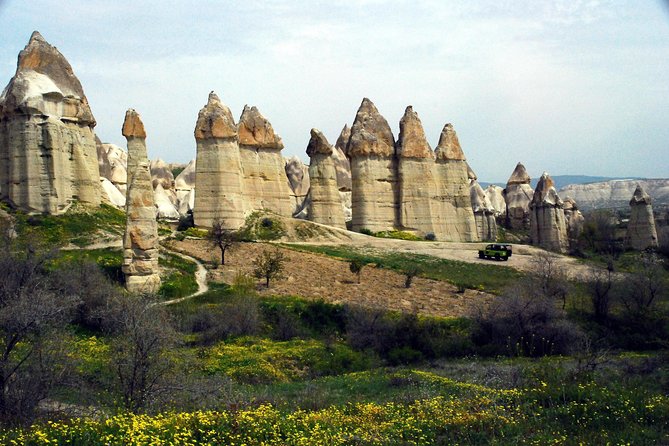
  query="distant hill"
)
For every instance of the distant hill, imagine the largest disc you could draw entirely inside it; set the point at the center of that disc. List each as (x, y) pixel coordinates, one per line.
(565, 180)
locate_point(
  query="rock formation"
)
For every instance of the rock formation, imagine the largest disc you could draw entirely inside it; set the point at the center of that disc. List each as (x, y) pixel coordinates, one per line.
(184, 188)
(518, 195)
(641, 231)
(115, 197)
(161, 174)
(421, 210)
(264, 176)
(371, 149)
(453, 174)
(574, 219)
(48, 153)
(615, 194)
(118, 166)
(343, 167)
(495, 196)
(324, 204)
(140, 241)
(219, 179)
(548, 227)
(133, 130)
(165, 203)
(484, 212)
(298, 180)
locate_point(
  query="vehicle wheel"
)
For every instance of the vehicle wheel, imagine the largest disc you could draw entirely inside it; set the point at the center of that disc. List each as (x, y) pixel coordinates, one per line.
(481, 255)
(496, 256)
(505, 259)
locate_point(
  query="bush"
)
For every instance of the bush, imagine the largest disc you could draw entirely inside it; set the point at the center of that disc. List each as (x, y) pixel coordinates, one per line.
(186, 221)
(430, 237)
(261, 226)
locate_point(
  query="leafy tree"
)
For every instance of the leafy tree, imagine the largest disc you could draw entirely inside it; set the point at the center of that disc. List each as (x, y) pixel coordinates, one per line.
(269, 265)
(222, 237)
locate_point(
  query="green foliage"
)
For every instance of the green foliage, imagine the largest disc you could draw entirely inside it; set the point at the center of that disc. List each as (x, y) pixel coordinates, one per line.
(261, 226)
(269, 265)
(489, 278)
(180, 281)
(108, 259)
(78, 226)
(195, 232)
(400, 235)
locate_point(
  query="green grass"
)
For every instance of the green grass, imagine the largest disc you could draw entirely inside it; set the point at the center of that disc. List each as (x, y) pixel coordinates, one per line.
(262, 226)
(78, 226)
(489, 278)
(180, 281)
(108, 259)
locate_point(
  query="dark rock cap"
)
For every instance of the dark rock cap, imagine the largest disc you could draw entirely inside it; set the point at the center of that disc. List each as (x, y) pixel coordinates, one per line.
(318, 144)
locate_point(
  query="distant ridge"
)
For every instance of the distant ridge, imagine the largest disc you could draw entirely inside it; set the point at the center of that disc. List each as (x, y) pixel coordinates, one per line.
(565, 180)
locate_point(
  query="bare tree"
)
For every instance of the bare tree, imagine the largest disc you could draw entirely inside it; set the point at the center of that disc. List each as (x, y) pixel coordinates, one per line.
(144, 336)
(549, 276)
(356, 267)
(600, 285)
(646, 285)
(269, 265)
(409, 274)
(222, 237)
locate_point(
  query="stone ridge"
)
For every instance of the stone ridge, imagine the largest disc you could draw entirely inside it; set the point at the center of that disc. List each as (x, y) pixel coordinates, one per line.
(215, 120)
(370, 134)
(318, 144)
(255, 130)
(133, 127)
(519, 175)
(449, 145)
(412, 142)
(640, 196)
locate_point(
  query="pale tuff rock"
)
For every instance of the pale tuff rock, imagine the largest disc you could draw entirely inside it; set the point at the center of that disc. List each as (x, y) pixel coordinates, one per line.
(219, 181)
(186, 179)
(615, 194)
(484, 212)
(325, 203)
(518, 194)
(140, 241)
(298, 180)
(495, 196)
(641, 231)
(451, 171)
(371, 149)
(548, 228)
(342, 164)
(118, 162)
(574, 219)
(470, 173)
(161, 174)
(48, 153)
(185, 201)
(165, 203)
(135, 135)
(263, 171)
(103, 160)
(114, 196)
(421, 210)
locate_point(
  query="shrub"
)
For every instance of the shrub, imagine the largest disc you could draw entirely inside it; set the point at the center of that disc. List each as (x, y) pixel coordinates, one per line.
(261, 226)
(356, 266)
(430, 237)
(409, 274)
(186, 221)
(269, 265)
(366, 231)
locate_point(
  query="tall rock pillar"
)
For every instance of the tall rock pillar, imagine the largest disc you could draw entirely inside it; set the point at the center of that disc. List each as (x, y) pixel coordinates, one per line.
(325, 203)
(517, 195)
(264, 174)
(548, 227)
(140, 241)
(219, 188)
(420, 209)
(452, 173)
(484, 213)
(371, 149)
(641, 231)
(48, 153)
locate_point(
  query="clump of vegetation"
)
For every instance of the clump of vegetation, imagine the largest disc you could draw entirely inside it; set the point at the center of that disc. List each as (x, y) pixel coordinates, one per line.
(356, 266)
(261, 226)
(430, 237)
(400, 235)
(409, 274)
(180, 281)
(269, 265)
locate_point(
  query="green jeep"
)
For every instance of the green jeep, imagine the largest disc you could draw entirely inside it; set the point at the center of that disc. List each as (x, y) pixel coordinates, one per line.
(496, 251)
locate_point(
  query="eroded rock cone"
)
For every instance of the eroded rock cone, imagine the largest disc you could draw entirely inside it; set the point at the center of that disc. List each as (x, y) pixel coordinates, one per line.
(161, 173)
(452, 172)
(371, 149)
(140, 241)
(264, 175)
(343, 167)
(517, 195)
(135, 135)
(574, 219)
(298, 180)
(641, 231)
(324, 205)
(495, 196)
(421, 210)
(548, 227)
(484, 212)
(48, 152)
(218, 179)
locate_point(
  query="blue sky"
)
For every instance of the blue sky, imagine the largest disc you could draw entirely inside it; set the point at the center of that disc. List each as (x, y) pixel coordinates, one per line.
(568, 87)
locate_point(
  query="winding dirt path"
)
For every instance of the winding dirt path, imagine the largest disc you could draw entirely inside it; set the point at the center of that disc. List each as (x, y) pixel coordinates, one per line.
(200, 278)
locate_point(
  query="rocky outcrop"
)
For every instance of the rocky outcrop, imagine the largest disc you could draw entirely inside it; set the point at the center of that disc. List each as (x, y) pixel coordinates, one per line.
(574, 219)
(342, 164)
(48, 153)
(495, 196)
(324, 205)
(263, 169)
(161, 174)
(298, 180)
(518, 195)
(118, 170)
(140, 241)
(452, 172)
(421, 210)
(114, 196)
(186, 179)
(371, 149)
(641, 231)
(548, 228)
(615, 194)
(219, 178)
(165, 203)
(484, 212)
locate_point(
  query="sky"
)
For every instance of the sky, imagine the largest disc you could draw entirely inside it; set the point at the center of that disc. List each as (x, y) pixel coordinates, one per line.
(568, 87)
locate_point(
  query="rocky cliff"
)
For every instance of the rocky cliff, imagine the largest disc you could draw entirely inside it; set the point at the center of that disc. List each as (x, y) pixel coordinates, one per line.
(641, 231)
(615, 194)
(484, 212)
(324, 201)
(48, 153)
(548, 227)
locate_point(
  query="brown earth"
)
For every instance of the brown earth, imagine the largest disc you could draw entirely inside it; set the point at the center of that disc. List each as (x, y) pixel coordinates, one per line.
(315, 276)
